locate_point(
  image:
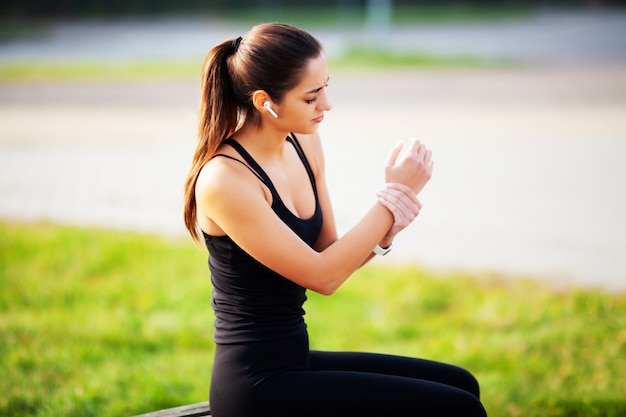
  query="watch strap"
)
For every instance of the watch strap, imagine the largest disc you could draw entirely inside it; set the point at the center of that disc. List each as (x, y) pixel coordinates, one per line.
(383, 251)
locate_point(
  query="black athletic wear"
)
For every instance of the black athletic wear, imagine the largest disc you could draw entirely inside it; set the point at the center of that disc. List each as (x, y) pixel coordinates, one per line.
(263, 365)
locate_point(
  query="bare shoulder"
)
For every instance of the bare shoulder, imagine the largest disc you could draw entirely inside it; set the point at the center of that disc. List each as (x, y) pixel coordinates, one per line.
(226, 178)
(227, 191)
(212, 175)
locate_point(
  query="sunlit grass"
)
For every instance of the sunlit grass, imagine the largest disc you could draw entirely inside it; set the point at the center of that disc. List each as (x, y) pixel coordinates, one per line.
(354, 58)
(378, 58)
(86, 71)
(100, 323)
(536, 352)
(108, 323)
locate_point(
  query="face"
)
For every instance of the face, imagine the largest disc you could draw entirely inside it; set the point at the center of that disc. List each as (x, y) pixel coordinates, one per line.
(302, 108)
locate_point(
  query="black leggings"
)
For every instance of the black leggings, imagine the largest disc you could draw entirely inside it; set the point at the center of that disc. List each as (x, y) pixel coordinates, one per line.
(284, 379)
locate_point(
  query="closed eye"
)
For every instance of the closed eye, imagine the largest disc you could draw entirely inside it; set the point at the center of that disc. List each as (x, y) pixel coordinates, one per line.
(314, 99)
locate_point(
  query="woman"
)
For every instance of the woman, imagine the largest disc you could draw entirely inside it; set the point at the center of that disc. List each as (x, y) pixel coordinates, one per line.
(256, 194)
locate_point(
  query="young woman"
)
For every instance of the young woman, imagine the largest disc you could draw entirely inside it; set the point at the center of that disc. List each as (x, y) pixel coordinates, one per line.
(256, 195)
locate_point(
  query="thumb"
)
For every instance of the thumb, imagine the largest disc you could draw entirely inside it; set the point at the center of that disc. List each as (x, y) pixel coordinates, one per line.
(393, 155)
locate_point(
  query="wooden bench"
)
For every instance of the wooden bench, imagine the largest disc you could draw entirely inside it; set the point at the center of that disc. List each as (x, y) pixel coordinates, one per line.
(192, 410)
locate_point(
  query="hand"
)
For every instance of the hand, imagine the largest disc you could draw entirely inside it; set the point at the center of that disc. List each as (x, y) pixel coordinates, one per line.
(409, 164)
(402, 202)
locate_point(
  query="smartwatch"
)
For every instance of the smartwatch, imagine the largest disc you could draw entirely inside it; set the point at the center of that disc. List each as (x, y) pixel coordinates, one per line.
(383, 251)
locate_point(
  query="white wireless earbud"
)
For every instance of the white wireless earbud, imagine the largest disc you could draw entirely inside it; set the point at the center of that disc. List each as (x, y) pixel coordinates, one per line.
(269, 108)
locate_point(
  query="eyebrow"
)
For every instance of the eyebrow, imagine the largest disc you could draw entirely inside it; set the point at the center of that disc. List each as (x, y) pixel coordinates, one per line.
(317, 89)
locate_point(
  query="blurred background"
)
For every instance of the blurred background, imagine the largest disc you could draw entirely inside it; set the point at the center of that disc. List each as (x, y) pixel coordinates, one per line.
(522, 103)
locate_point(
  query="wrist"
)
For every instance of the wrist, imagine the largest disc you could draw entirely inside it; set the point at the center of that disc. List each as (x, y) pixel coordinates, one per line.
(383, 249)
(386, 241)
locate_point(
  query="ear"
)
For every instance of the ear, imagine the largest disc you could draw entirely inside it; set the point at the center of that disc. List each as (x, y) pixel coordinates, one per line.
(259, 97)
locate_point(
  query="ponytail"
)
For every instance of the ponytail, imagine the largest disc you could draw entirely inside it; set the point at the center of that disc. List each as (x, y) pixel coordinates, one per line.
(218, 118)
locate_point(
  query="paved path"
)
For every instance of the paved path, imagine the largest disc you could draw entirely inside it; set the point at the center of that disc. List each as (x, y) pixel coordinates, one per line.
(529, 177)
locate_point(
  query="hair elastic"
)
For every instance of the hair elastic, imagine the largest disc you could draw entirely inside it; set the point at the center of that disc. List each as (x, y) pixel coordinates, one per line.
(236, 42)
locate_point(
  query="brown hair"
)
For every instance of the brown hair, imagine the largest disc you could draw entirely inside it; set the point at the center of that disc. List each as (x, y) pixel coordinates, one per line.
(271, 57)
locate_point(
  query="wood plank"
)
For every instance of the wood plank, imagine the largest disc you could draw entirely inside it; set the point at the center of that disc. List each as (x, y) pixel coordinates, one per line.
(193, 410)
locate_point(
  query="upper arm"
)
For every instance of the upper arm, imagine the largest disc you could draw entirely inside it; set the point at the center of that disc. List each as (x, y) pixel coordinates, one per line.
(234, 199)
(237, 203)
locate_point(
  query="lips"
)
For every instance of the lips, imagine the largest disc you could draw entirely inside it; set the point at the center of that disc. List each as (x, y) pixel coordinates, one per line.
(319, 119)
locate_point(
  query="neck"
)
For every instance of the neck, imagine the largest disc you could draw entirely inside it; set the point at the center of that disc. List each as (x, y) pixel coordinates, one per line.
(263, 141)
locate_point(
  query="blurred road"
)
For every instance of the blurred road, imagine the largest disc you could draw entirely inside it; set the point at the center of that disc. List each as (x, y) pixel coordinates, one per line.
(547, 37)
(529, 176)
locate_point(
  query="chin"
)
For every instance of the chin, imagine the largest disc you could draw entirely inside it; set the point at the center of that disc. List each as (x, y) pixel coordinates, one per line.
(311, 129)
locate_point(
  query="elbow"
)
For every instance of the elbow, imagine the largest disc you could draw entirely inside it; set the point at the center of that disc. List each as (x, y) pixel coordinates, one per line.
(324, 279)
(325, 290)
(327, 286)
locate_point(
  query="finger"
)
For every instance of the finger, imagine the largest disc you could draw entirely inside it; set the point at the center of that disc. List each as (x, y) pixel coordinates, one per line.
(400, 187)
(395, 212)
(409, 207)
(413, 146)
(428, 162)
(419, 205)
(402, 207)
(408, 191)
(421, 152)
(397, 198)
(393, 155)
(427, 157)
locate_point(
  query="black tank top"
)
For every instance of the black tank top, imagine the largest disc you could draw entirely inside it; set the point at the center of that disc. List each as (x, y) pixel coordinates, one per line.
(252, 302)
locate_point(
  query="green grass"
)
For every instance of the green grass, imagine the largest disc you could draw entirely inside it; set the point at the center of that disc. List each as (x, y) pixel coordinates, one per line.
(109, 323)
(353, 58)
(312, 19)
(86, 71)
(376, 58)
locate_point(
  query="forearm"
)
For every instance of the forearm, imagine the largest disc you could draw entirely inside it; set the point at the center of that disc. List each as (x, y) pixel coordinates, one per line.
(384, 243)
(354, 249)
(403, 206)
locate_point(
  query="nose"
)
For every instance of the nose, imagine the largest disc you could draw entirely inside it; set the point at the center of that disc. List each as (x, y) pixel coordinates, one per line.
(324, 102)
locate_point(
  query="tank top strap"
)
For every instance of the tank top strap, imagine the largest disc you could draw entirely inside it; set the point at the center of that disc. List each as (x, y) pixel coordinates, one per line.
(241, 162)
(252, 165)
(296, 144)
